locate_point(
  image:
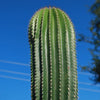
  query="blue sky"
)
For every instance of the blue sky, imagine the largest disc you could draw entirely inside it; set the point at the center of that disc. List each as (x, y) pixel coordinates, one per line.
(14, 19)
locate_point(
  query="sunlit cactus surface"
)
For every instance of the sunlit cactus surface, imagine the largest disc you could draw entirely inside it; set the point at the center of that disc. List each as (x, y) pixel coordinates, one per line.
(53, 56)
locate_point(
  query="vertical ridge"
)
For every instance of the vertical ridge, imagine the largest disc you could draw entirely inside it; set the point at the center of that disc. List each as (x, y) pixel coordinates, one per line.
(45, 54)
(42, 57)
(32, 28)
(54, 55)
(49, 63)
(41, 67)
(65, 57)
(50, 53)
(37, 56)
(32, 72)
(36, 66)
(59, 55)
(68, 59)
(73, 60)
(74, 64)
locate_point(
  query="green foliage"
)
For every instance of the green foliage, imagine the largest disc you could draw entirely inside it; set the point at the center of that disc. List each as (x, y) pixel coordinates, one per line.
(94, 40)
(53, 56)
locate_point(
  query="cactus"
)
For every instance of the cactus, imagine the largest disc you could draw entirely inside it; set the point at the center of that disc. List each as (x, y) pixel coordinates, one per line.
(53, 56)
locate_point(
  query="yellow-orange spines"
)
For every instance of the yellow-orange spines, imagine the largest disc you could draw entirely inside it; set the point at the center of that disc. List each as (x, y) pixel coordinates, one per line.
(53, 56)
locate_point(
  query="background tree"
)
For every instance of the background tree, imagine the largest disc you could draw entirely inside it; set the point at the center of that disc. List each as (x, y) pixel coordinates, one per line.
(94, 40)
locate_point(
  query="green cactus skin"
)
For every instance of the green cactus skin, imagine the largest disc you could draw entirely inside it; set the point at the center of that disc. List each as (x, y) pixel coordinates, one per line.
(53, 56)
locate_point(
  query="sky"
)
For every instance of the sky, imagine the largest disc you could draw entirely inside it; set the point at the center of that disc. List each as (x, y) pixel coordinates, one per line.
(15, 50)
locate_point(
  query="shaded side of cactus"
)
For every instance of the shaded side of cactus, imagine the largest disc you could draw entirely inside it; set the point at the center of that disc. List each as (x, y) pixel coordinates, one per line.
(53, 56)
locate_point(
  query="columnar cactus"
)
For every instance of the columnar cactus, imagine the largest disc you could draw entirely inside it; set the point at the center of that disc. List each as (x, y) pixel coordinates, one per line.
(53, 56)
